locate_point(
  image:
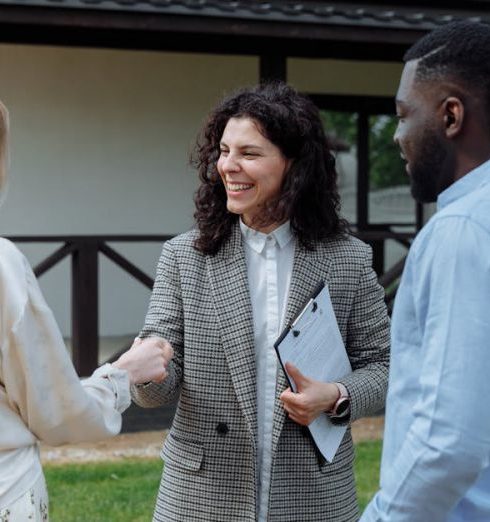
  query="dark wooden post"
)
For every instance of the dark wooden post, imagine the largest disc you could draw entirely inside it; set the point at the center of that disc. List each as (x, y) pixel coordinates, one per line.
(419, 216)
(85, 306)
(273, 67)
(378, 247)
(362, 170)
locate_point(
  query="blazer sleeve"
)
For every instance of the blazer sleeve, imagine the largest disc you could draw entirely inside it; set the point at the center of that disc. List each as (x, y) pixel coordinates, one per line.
(165, 319)
(368, 343)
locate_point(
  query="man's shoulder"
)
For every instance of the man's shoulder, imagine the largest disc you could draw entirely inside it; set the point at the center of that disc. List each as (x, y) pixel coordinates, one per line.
(459, 227)
(473, 208)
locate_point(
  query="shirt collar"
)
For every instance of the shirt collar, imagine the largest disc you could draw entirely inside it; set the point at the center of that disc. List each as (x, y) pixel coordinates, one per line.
(257, 240)
(475, 179)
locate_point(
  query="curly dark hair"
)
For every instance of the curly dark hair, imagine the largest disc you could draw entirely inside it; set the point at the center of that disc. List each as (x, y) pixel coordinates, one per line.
(309, 197)
(458, 51)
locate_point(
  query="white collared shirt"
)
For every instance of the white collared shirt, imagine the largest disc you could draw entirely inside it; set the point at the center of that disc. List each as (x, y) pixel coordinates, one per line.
(269, 260)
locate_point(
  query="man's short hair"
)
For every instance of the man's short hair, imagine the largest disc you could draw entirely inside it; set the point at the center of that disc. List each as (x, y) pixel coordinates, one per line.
(460, 52)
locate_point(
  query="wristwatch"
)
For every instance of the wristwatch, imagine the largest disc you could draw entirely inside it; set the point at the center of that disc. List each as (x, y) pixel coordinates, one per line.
(342, 404)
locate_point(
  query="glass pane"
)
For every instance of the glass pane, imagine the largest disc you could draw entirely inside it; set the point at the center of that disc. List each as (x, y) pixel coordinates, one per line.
(390, 201)
(341, 128)
(389, 190)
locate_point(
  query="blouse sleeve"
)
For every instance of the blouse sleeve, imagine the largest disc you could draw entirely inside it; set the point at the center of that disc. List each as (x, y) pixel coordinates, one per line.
(39, 378)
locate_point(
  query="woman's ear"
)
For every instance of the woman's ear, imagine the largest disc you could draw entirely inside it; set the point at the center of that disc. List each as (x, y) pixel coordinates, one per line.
(453, 116)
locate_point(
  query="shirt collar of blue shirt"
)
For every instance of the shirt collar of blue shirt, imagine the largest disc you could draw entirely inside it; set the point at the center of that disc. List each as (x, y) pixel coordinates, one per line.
(475, 179)
(257, 240)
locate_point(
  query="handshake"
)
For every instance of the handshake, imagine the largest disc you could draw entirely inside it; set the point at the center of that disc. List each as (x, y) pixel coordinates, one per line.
(147, 360)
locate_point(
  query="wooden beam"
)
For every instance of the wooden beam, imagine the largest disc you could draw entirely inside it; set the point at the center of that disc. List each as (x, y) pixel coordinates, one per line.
(272, 67)
(126, 265)
(362, 170)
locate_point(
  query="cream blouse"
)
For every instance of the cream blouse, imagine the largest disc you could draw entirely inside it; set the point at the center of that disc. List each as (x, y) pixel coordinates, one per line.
(41, 397)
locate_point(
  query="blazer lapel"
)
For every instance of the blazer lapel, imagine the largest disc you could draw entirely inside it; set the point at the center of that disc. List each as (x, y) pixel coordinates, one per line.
(227, 273)
(309, 268)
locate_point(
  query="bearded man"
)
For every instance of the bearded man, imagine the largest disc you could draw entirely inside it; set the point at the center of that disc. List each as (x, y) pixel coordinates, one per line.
(436, 453)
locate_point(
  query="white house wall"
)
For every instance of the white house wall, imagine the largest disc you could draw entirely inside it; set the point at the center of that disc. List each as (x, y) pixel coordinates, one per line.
(100, 145)
(100, 141)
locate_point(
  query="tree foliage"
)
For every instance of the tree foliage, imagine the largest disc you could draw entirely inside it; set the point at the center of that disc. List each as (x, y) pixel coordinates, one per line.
(385, 165)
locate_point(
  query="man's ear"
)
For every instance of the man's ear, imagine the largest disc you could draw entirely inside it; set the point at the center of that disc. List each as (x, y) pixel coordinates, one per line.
(453, 116)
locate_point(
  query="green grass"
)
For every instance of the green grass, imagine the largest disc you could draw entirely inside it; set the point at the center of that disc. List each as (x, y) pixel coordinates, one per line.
(103, 492)
(125, 491)
(366, 467)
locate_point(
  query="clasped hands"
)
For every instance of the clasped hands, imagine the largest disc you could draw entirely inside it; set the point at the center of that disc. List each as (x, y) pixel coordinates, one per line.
(147, 360)
(311, 399)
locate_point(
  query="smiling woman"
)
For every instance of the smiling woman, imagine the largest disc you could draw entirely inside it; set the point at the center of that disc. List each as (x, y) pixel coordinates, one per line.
(268, 231)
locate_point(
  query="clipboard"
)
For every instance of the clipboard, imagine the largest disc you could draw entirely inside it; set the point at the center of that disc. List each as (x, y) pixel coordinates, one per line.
(296, 332)
(313, 343)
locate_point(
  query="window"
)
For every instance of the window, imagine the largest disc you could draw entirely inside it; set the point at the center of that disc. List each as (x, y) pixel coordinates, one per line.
(373, 185)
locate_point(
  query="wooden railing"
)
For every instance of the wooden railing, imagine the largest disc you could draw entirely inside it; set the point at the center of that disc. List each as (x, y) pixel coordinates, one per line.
(377, 239)
(85, 250)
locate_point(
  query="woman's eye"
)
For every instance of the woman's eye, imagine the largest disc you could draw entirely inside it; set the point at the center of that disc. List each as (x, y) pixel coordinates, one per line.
(223, 152)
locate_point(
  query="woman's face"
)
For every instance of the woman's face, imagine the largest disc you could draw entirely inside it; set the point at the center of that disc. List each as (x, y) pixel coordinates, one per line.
(252, 169)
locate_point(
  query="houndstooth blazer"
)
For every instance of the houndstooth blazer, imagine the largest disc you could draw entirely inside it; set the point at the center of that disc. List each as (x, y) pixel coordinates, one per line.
(201, 304)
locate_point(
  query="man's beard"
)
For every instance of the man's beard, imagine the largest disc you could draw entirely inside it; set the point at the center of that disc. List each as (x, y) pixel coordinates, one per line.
(430, 171)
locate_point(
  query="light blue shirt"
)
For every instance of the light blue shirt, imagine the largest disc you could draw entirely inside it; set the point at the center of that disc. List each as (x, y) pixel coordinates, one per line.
(436, 452)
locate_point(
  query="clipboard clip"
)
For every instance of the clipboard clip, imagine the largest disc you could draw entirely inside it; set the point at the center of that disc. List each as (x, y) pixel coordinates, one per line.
(312, 299)
(313, 310)
(290, 327)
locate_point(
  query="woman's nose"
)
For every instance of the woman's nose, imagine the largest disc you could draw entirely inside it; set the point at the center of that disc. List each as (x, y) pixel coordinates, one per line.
(230, 163)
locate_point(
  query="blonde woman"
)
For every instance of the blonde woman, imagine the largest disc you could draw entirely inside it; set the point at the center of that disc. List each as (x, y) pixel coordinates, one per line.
(41, 397)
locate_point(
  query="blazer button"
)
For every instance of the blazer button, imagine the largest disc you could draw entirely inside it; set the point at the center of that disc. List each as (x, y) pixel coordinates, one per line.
(222, 428)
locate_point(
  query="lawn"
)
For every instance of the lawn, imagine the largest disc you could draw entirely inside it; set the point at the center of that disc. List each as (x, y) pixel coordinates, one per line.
(125, 491)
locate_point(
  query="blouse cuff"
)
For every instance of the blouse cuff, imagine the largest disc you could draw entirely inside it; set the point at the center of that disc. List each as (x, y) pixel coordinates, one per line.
(119, 381)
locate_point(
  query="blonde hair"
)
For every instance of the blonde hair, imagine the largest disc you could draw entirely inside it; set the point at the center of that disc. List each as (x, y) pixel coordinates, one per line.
(4, 131)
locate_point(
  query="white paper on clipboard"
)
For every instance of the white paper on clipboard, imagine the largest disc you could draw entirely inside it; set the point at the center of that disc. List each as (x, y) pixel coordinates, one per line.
(314, 345)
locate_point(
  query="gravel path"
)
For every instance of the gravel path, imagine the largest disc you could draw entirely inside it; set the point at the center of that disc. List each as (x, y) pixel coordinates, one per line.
(148, 444)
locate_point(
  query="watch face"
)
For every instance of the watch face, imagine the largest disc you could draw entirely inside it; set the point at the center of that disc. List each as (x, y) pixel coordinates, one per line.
(342, 406)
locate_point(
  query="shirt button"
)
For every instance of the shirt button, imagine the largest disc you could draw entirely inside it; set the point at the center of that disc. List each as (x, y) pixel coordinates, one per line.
(222, 428)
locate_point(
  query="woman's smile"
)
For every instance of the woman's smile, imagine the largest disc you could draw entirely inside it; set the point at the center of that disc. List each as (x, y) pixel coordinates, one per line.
(238, 187)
